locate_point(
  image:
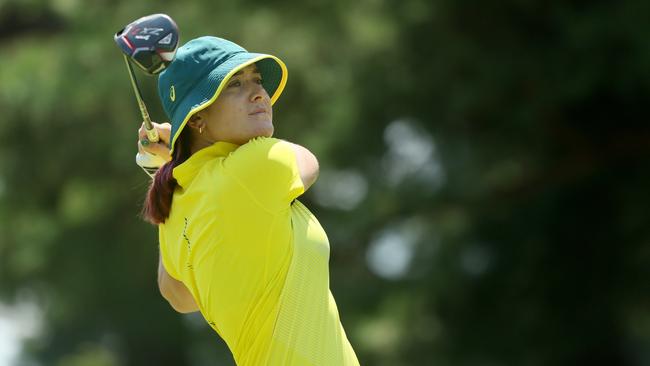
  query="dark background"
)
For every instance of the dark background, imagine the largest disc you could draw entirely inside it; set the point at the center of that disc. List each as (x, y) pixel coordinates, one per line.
(485, 178)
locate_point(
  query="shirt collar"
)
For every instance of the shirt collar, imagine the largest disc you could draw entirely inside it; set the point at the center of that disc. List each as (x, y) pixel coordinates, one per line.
(186, 172)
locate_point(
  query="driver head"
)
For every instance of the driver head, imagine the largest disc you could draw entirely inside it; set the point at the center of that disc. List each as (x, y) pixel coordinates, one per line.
(150, 42)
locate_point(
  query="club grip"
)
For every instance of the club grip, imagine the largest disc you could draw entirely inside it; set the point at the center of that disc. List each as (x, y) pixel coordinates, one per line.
(152, 135)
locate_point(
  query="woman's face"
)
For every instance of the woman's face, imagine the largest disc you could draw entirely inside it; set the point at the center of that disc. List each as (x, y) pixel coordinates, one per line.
(241, 112)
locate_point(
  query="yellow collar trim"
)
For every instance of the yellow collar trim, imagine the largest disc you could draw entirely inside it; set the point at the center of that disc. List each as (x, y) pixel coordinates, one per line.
(186, 172)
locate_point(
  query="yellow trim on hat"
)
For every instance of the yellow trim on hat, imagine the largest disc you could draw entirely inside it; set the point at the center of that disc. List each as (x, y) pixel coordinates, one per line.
(274, 97)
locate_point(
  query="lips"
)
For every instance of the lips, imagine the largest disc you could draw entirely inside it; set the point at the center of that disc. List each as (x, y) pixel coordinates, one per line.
(258, 111)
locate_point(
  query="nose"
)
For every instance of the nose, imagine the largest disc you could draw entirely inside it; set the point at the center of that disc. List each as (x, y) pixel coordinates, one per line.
(258, 93)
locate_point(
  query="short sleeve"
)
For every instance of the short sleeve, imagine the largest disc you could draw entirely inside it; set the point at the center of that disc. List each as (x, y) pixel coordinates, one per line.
(268, 170)
(164, 255)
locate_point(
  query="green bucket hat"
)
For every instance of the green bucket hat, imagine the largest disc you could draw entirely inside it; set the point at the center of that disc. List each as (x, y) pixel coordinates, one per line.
(201, 69)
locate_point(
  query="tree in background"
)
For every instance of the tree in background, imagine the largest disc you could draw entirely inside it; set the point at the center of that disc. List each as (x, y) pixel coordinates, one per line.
(484, 177)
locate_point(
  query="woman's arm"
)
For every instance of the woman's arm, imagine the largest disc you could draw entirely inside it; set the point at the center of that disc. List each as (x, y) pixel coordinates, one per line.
(307, 165)
(175, 292)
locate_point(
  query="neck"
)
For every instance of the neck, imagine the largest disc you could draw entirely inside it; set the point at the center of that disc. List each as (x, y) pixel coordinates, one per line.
(199, 142)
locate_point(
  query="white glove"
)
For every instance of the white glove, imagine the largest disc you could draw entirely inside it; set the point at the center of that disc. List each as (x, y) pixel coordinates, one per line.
(149, 163)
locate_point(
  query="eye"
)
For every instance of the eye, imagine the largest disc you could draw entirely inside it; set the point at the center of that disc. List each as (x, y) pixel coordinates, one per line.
(234, 83)
(259, 81)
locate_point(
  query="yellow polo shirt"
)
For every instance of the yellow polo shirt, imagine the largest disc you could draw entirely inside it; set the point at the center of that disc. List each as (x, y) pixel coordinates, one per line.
(254, 258)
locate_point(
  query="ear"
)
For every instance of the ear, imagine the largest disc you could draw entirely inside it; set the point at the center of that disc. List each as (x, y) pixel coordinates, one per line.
(197, 120)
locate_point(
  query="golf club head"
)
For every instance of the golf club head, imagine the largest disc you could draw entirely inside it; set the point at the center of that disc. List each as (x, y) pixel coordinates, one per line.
(150, 42)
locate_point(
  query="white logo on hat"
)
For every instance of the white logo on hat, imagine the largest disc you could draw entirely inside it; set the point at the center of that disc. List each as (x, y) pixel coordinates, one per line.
(172, 93)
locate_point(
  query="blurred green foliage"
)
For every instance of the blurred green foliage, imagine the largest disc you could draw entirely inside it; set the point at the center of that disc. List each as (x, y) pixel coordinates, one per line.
(484, 176)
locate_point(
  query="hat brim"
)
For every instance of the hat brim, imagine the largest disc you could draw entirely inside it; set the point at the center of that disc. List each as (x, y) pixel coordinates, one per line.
(274, 78)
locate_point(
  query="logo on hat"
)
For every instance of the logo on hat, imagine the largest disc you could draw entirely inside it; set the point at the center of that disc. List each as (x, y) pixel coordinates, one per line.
(172, 93)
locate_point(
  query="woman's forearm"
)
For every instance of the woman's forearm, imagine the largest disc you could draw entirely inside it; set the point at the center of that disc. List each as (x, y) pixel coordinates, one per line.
(175, 292)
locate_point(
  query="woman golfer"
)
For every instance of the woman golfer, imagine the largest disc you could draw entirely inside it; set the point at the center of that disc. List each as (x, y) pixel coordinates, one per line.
(235, 243)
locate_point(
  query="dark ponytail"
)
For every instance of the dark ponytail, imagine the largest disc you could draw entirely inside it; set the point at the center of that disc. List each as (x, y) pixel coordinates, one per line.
(158, 202)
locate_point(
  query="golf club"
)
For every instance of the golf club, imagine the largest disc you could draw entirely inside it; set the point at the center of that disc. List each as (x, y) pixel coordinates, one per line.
(150, 42)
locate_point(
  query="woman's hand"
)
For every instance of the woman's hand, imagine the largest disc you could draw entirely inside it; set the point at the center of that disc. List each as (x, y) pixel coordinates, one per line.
(160, 148)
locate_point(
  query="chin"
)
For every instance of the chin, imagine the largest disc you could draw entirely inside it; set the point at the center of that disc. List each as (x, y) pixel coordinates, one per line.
(266, 130)
(262, 132)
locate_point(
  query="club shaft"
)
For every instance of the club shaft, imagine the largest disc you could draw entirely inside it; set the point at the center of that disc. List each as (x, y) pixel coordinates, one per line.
(152, 133)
